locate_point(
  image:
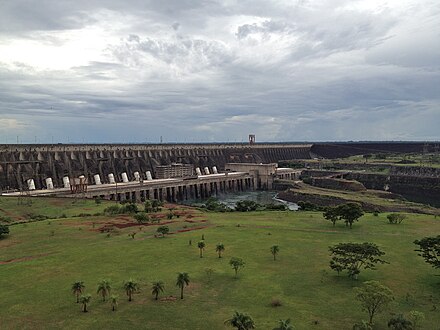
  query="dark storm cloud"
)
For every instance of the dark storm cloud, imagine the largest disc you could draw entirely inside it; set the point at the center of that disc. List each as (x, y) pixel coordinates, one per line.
(217, 70)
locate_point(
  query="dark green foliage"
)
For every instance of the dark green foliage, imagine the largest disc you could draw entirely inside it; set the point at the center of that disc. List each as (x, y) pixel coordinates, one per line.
(220, 247)
(163, 230)
(131, 286)
(85, 300)
(331, 214)
(141, 217)
(349, 212)
(212, 204)
(236, 264)
(112, 210)
(153, 205)
(241, 321)
(98, 200)
(170, 216)
(355, 256)
(429, 248)
(5, 219)
(275, 207)
(284, 325)
(308, 206)
(77, 289)
(182, 281)
(201, 245)
(4, 230)
(130, 208)
(400, 323)
(246, 206)
(396, 218)
(156, 288)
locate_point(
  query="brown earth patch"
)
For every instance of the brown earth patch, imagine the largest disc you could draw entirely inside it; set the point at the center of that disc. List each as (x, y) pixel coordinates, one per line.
(169, 298)
(27, 258)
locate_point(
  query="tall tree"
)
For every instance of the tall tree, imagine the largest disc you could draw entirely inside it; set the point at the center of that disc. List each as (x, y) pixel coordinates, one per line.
(429, 248)
(373, 297)
(241, 321)
(274, 249)
(130, 287)
(77, 289)
(350, 212)
(201, 245)
(182, 281)
(284, 325)
(114, 302)
(331, 214)
(219, 249)
(236, 264)
(355, 256)
(85, 300)
(156, 288)
(104, 288)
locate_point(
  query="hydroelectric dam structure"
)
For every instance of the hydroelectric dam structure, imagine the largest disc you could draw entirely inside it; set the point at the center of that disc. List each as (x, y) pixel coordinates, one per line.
(49, 165)
(170, 172)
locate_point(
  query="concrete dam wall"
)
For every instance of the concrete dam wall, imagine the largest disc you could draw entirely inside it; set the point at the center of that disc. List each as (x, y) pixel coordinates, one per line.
(19, 163)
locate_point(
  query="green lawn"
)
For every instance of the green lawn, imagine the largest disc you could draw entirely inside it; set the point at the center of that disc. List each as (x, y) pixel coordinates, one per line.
(35, 293)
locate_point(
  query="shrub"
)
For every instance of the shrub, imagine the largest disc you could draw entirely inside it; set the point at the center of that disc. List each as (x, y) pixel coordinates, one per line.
(246, 206)
(275, 207)
(396, 218)
(141, 217)
(129, 208)
(4, 230)
(112, 210)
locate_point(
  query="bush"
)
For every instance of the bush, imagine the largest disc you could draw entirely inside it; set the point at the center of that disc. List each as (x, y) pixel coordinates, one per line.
(396, 218)
(308, 206)
(112, 210)
(4, 230)
(129, 208)
(275, 207)
(5, 219)
(98, 200)
(246, 206)
(141, 217)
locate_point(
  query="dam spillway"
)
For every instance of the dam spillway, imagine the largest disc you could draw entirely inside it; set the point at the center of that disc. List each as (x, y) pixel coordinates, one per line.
(20, 163)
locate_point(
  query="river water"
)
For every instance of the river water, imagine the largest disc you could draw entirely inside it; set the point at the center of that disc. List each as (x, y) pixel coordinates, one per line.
(261, 197)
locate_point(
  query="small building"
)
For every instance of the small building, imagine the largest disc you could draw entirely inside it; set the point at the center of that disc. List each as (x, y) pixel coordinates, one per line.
(263, 174)
(175, 170)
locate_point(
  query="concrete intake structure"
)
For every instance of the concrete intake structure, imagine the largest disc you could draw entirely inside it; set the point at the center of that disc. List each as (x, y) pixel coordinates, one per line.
(19, 163)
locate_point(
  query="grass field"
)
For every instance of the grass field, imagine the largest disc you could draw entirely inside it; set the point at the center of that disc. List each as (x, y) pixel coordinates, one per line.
(40, 260)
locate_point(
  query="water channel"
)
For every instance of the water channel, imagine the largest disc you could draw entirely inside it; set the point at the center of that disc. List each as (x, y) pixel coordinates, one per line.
(261, 197)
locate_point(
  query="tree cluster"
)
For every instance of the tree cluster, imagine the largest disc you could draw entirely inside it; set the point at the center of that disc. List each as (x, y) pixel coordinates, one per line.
(348, 212)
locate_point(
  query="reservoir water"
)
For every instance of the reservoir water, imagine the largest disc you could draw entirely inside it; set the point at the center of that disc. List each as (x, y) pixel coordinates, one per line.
(261, 197)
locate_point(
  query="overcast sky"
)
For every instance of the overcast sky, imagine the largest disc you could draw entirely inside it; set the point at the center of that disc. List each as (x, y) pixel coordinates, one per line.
(218, 70)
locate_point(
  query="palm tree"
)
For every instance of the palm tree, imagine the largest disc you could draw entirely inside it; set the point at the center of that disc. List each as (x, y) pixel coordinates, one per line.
(241, 321)
(114, 301)
(77, 289)
(182, 281)
(130, 287)
(104, 288)
(156, 288)
(201, 246)
(220, 248)
(284, 325)
(84, 300)
(274, 250)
